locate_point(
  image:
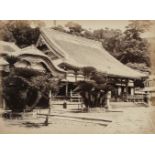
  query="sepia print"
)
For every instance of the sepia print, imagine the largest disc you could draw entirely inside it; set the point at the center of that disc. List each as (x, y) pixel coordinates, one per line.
(83, 76)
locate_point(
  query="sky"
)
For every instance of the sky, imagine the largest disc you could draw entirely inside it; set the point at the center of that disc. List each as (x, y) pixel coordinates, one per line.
(97, 24)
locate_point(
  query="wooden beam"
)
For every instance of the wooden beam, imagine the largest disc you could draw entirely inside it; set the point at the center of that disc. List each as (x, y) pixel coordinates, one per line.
(77, 117)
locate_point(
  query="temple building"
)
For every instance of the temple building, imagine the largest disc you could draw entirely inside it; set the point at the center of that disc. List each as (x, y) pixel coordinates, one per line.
(63, 48)
(55, 50)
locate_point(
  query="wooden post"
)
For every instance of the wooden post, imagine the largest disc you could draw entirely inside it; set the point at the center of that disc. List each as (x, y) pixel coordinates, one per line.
(108, 96)
(71, 95)
(3, 103)
(126, 88)
(66, 91)
(49, 110)
(50, 102)
(119, 90)
(76, 74)
(148, 99)
(1, 91)
(132, 91)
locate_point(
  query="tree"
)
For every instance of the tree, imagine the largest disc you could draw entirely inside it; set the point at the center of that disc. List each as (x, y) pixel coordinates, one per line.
(15, 89)
(111, 40)
(75, 28)
(88, 71)
(140, 25)
(139, 66)
(23, 33)
(25, 88)
(129, 47)
(11, 60)
(25, 92)
(134, 48)
(102, 34)
(26, 36)
(87, 34)
(94, 90)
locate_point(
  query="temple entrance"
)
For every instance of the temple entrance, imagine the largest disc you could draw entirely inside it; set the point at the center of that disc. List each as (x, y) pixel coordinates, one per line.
(66, 89)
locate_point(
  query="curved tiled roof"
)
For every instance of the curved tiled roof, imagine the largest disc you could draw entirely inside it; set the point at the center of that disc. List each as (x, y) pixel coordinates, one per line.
(12, 50)
(34, 53)
(82, 52)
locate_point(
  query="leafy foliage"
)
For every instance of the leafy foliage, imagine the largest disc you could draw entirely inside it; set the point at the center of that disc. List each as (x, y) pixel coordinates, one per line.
(27, 72)
(87, 71)
(24, 88)
(26, 36)
(94, 91)
(21, 32)
(11, 60)
(15, 90)
(23, 91)
(67, 66)
(74, 27)
(139, 66)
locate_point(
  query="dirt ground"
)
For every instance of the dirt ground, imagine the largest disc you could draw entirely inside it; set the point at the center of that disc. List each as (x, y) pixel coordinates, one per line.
(129, 118)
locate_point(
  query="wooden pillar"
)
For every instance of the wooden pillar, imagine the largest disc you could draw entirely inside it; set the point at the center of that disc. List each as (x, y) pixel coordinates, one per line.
(50, 97)
(126, 90)
(119, 91)
(66, 90)
(50, 102)
(1, 91)
(76, 74)
(148, 99)
(132, 92)
(108, 97)
(71, 94)
(46, 122)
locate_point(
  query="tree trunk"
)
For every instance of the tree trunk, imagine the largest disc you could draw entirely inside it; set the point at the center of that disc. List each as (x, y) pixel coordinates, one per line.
(39, 96)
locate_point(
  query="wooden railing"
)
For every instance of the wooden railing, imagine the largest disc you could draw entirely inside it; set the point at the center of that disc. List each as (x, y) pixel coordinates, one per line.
(75, 97)
(128, 98)
(135, 98)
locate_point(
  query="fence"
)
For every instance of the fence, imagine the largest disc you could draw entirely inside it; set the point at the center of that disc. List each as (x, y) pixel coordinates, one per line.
(74, 97)
(129, 98)
(136, 98)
